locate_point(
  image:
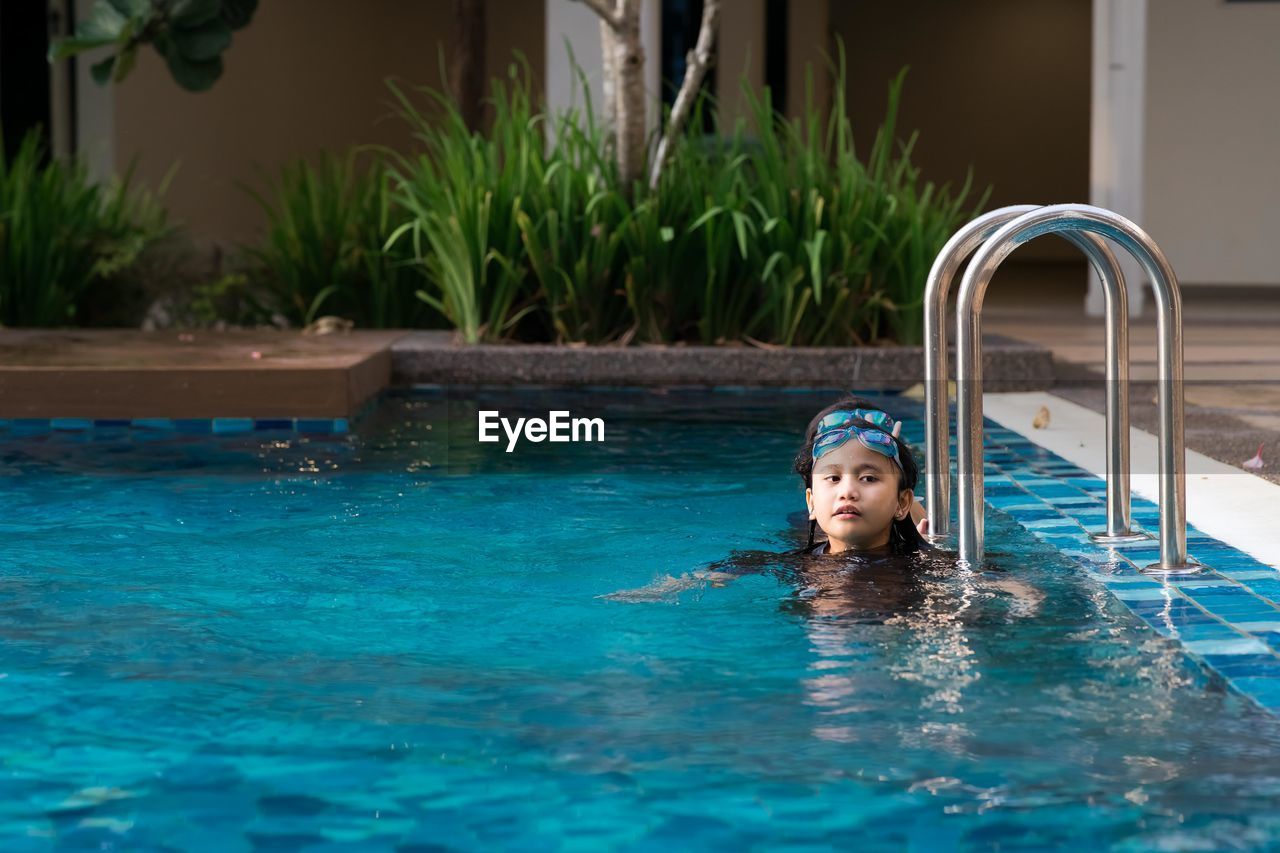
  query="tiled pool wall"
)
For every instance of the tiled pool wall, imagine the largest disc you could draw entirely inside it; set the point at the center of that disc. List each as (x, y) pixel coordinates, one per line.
(1226, 616)
(189, 426)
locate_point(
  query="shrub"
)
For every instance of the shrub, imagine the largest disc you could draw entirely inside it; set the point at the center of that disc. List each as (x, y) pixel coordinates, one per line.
(324, 253)
(62, 236)
(518, 230)
(780, 236)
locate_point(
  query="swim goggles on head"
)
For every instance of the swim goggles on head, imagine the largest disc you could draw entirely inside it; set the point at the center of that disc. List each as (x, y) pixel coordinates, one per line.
(870, 437)
(844, 417)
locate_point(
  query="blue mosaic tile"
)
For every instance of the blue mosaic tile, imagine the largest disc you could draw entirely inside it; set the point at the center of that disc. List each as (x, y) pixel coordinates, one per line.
(1217, 639)
(145, 427)
(1141, 593)
(1252, 575)
(1266, 691)
(1243, 665)
(1227, 616)
(1201, 583)
(1076, 500)
(69, 424)
(1049, 524)
(273, 423)
(232, 426)
(193, 426)
(152, 423)
(1056, 491)
(1025, 515)
(1011, 502)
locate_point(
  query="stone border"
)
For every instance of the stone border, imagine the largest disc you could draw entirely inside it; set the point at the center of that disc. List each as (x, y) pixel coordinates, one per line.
(433, 358)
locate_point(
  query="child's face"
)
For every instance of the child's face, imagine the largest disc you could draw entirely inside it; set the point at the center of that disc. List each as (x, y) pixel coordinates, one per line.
(854, 497)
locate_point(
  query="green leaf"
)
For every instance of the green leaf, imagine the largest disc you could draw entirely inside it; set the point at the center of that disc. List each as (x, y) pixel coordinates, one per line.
(70, 46)
(128, 57)
(193, 76)
(104, 24)
(195, 13)
(101, 71)
(324, 294)
(238, 13)
(667, 233)
(201, 44)
(740, 225)
(705, 218)
(139, 9)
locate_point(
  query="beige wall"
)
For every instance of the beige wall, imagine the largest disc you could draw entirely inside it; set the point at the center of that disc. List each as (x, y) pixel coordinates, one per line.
(1211, 180)
(1002, 85)
(740, 51)
(302, 78)
(809, 43)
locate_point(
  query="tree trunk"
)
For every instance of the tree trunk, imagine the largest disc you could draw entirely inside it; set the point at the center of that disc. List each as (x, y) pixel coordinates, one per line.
(608, 79)
(466, 68)
(695, 71)
(630, 94)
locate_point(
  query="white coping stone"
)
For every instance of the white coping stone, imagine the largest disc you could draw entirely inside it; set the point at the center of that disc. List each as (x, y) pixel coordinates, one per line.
(1229, 504)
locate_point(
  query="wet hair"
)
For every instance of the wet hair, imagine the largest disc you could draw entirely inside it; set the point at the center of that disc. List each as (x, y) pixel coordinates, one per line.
(904, 538)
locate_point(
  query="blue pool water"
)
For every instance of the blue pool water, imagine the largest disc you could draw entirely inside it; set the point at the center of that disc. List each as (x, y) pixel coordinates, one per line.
(399, 637)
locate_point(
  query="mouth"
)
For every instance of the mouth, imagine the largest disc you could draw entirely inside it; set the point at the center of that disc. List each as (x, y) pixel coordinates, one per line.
(846, 512)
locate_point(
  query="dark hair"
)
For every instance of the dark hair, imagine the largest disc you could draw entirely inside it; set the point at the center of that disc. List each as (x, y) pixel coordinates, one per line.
(904, 538)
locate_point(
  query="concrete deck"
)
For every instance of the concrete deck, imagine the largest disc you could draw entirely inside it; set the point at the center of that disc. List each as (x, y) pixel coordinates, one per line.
(1231, 353)
(111, 373)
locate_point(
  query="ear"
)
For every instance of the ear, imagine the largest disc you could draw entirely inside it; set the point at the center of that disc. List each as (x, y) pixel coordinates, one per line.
(808, 499)
(906, 497)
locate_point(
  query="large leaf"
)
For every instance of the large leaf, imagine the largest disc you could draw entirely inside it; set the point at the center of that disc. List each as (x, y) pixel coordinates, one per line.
(127, 58)
(104, 24)
(190, 75)
(101, 71)
(201, 44)
(137, 9)
(194, 13)
(238, 13)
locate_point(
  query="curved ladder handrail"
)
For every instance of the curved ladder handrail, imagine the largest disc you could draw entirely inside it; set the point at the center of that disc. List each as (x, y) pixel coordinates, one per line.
(1057, 219)
(963, 243)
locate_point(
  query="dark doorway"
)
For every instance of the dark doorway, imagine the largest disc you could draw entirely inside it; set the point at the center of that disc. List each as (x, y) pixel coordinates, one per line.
(680, 22)
(775, 52)
(24, 71)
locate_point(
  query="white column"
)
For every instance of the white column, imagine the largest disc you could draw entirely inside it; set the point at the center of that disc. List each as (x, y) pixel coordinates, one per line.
(572, 22)
(575, 25)
(1116, 131)
(651, 40)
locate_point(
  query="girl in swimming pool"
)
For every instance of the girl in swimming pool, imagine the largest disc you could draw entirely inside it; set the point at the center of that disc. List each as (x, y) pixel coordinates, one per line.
(859, 482)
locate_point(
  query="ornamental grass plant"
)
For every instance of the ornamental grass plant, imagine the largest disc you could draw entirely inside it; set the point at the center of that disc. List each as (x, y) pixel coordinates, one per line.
(63, 237)
(323, 251)
(773, 231)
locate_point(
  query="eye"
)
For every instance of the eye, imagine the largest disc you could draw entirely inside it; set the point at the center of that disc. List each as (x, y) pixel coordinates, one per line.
(870, 478)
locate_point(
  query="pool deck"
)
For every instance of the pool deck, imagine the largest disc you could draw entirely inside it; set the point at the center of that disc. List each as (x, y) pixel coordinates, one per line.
(1231, 359)
(119, 373)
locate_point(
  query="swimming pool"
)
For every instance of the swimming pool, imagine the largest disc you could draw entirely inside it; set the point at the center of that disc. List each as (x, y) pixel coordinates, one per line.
(398, 636)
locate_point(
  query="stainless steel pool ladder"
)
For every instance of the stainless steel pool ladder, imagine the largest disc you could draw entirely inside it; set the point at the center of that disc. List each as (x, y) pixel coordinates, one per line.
(994, 236)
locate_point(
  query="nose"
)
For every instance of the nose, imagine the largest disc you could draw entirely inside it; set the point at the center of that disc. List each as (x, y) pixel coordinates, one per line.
(848, 488)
